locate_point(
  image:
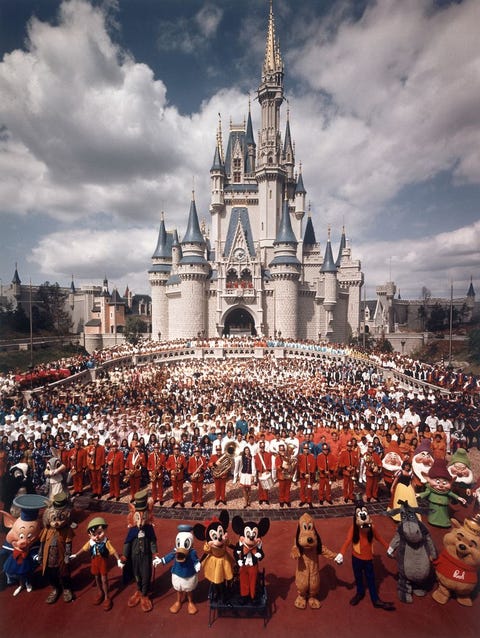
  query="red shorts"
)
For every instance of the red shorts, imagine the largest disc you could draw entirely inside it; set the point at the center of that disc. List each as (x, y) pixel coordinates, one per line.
(98, 566)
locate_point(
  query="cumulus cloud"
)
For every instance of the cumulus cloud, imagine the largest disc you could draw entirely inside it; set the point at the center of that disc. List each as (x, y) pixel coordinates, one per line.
(396, 97)
(434, 261)
(381, 101)
(188, 35)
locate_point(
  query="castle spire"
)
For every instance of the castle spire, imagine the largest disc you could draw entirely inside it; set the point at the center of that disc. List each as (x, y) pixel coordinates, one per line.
(343, 243)
(273, 60)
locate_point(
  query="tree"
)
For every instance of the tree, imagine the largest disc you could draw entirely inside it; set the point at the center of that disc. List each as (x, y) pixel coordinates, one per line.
(53, 308)
(474, 345)
(134, 329)
(436, 321)
(425, 295)
(384, 345)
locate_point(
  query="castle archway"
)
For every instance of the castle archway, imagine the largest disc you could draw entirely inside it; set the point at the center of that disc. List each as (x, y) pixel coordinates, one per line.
(239, 322)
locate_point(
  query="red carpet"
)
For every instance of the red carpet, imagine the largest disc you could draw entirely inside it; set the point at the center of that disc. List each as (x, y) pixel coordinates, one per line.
(28, 615)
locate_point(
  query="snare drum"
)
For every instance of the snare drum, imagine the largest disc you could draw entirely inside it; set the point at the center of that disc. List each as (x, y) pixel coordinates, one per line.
(266, 480)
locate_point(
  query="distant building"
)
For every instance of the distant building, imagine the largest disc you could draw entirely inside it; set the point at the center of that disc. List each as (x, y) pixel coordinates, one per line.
(389, 314)
(259, 268)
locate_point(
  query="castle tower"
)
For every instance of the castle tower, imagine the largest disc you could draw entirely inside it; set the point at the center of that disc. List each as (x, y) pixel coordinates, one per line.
(158, 276)
(193, 270)
(270, 173)
(329, 271)
(285, 270)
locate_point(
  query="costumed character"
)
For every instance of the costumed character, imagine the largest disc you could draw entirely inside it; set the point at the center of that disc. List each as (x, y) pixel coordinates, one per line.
(22, 544)
(100, 548)
(459, 562)
(217, 562)
(402, 491)
(391, 464)
(460, 469)
(438, 493)
(248, 553)
(422, 461)
(415, 552)
(140, 548)
(56, 473)
(361, 536)
(186, 566)
(56, 548)
(16, 481)
(308, 547)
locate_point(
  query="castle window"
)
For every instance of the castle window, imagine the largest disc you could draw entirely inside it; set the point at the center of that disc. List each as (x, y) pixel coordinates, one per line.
(237, 170)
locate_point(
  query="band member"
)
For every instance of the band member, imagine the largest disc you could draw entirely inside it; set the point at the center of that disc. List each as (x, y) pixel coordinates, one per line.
(221, 471)
(306, 472)
(197, 465)
(76, 465)
(373, 470)
(247, 475)
(348, 463)
(326, 464)
(134, 464)
(285, 468)
(155, 466)
(263, 465)
(95, 463)
(115, 467)
(176, 465)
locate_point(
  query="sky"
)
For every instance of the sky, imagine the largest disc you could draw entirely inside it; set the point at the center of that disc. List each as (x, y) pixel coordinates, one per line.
(109, 109)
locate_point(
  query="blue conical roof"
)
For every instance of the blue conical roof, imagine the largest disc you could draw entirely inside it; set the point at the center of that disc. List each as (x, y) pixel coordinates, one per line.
(471, 291)
(249, 133)
(16, 279)
(217, 162)
(162, 249)
(285, 234)
(193, 234)
(300, 188)
(328, 261)
(343, 243)
(309, 238)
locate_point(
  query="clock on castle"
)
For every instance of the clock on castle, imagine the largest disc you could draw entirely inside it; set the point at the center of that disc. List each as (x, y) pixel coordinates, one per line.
(258, 269)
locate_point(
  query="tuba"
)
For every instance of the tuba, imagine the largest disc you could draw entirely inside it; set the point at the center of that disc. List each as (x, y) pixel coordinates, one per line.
(223, 464)
(289, 465)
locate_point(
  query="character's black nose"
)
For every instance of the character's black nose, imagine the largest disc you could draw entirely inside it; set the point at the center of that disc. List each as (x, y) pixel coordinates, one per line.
(462, 547)
(310, 540)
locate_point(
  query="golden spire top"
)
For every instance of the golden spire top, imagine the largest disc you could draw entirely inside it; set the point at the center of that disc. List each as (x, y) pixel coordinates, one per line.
(273, 59)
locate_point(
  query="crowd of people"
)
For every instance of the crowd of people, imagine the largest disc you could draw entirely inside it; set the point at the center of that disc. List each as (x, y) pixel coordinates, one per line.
(281, 429)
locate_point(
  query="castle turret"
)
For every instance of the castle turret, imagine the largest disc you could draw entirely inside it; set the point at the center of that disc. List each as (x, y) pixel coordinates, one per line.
(16, 283)
(71, 295)
(341, 248)
(285, 270)
(193, 270)
(158, 276)
(329, 271)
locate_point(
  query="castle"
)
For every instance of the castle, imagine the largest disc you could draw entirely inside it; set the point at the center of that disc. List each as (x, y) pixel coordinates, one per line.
(259, 270)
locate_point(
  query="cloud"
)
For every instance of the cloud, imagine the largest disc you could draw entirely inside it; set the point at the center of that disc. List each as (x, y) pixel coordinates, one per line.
(395, 95)
(381, 101)
(434, 261)
(189, 35)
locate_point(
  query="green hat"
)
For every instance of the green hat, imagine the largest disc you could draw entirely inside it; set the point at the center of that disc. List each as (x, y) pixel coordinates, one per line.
(96, 522)
(141, 499)
(460, 456)
(60, 500)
